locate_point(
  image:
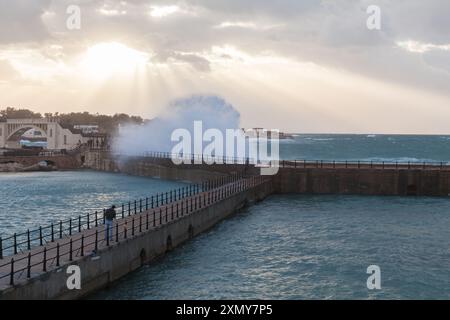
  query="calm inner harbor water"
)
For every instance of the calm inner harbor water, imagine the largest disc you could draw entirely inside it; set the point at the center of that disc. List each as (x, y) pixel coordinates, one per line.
(308, 247)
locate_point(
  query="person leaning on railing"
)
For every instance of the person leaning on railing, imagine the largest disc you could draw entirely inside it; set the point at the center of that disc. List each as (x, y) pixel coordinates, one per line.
(110, 215)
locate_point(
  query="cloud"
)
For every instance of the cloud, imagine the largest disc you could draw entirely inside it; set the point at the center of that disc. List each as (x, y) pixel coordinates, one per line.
(191, 40)
(21, 21)
(198, 62)
(7, 71)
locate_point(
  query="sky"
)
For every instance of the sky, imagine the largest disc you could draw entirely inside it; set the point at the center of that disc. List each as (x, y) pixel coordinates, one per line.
(295, 65)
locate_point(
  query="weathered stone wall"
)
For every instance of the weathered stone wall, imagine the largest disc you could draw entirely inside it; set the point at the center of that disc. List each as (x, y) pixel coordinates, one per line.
(63, 162)
(421, 182)
(161, 167)
(406, 180)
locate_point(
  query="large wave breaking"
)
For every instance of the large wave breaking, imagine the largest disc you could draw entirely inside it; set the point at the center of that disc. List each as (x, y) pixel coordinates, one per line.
(155, 135)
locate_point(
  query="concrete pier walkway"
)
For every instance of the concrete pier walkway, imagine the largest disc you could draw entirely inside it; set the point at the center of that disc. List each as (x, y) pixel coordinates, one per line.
(18, 269)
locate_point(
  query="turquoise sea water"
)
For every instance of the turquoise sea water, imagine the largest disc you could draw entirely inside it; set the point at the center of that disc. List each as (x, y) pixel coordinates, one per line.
(308, 247)
(367, 147)
(30, 199)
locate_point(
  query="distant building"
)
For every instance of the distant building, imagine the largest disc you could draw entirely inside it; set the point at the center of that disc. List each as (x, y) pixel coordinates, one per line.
(57, 136)
(86, 128)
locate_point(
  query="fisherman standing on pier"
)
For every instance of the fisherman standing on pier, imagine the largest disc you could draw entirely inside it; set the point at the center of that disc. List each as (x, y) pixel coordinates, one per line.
(110, 215)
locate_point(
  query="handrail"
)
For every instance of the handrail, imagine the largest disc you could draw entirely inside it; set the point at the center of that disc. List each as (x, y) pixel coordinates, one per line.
(283, 163)
(20, 242)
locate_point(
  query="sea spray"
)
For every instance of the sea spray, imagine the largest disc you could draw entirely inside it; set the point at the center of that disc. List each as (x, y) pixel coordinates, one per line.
(213, 111)
(206, 126)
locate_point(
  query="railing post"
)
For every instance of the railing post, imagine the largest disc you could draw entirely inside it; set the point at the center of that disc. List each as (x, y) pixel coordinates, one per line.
(70, 249)
(53, 234)
(132, 227)
(88, 222)
(40, 235)
(171, 212)
(129, 208)
(160, 216)
(1, 248)
(166, 214)
(57, 254)
(152, 203)
(140, 223)
(82, 245)
(146, 203)
(146, 222)
(11, 276)
(44, 261)
(123, 211)
(70, 226)
(28, 240)
(15, 243)
(96, 240)
(140, 205)
(96, 219)
(79, 223)
(29, 265)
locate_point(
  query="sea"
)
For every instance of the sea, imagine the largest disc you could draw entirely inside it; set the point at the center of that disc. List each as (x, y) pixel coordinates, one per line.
(286, 247)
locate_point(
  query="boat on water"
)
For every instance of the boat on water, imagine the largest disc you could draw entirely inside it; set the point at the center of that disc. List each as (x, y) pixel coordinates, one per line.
(258, 132)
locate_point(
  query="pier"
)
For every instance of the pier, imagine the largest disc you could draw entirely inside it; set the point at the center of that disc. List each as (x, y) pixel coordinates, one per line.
(36, 262)
(33, 264)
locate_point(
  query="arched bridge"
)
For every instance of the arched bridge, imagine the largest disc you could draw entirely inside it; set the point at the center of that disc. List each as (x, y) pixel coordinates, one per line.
(57, 137)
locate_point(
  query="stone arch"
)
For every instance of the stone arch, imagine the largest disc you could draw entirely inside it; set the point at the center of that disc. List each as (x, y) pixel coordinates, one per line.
(20, 130)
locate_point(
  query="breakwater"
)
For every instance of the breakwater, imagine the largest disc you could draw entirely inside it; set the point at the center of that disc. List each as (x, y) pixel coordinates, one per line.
(302, 177)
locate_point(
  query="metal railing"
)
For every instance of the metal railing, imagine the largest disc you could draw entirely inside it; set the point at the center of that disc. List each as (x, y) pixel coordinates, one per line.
(189, 158)
(295, 163)
(356, 164)
(19, 242)
(70, 245)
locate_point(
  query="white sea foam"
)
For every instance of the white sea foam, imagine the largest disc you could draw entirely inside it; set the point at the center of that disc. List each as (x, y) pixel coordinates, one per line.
(213, 111)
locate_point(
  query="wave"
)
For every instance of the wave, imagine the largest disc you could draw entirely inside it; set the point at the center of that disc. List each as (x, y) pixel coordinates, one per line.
(396, 159)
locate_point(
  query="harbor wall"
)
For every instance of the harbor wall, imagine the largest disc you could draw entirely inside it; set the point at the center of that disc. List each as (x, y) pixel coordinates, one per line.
(62, 162)
(163, 168)
(412, 180)
(399, 182)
